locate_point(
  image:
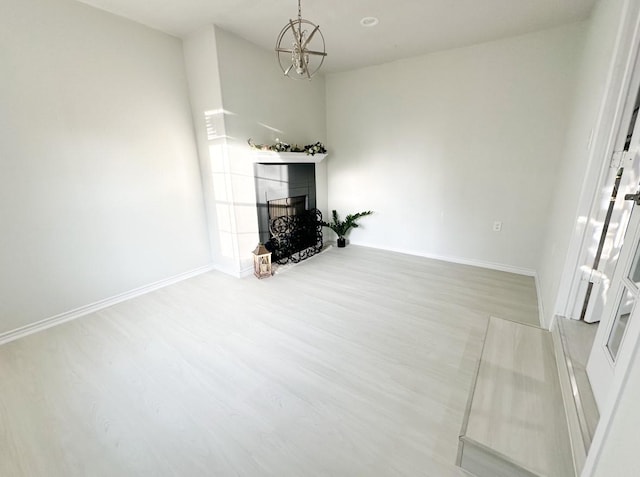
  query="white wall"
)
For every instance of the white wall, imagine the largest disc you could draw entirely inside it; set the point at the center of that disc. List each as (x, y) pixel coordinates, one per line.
(203, 71)
(265, 105)
(582, 158)
(600, 88)
(99, 183)
(443, 145)
(254, 99)
(261, 102)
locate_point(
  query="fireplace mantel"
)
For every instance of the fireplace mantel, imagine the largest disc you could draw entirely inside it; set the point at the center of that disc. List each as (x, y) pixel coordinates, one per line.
(272, 157)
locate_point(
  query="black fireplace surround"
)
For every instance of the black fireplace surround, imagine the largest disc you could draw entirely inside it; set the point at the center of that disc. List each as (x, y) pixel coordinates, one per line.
(288, 221)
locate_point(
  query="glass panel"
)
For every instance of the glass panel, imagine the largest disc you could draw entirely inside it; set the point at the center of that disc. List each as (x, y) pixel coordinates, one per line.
(634, 273)
(632, 123)
(603, 238)
(620, 323)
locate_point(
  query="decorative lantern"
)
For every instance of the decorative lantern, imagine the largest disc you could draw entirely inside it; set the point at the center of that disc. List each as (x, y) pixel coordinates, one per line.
(261, 262)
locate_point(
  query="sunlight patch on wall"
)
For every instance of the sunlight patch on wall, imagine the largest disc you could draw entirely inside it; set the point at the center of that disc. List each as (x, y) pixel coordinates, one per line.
(214, 123)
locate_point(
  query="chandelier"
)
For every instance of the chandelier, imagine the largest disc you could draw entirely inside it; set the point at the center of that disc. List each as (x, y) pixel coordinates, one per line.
(299, 52)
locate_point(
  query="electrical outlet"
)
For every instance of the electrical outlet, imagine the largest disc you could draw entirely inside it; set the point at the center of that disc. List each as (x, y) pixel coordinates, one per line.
(497, 226)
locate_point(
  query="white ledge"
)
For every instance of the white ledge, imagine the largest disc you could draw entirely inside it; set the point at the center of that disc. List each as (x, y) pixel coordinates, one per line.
(272, 157)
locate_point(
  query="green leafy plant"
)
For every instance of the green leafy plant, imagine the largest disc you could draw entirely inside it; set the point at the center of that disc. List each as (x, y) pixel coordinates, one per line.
(342, 227)
(279, 146)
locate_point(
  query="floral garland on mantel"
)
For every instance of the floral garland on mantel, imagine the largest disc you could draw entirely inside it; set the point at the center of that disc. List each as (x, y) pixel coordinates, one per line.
(279, 146)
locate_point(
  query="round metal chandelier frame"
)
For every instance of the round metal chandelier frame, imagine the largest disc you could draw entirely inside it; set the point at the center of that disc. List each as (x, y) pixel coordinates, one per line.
(292, 48)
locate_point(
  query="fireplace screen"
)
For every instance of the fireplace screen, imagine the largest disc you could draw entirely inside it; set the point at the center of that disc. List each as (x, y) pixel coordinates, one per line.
(296, 235)
(288, 222)
(287, 207)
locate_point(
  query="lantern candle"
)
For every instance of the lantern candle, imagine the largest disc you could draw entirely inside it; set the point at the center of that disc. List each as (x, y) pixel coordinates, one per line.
(262, 262)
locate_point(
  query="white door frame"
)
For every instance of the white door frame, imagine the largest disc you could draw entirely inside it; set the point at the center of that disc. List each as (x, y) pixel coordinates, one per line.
(603, 367)
(608, 412)
(605, 131)
(613, 117)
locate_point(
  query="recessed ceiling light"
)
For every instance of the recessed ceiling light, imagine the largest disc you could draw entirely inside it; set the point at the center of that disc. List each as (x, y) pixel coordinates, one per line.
(369, 21)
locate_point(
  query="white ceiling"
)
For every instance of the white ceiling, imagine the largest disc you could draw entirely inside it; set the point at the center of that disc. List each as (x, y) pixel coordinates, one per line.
(407, 27)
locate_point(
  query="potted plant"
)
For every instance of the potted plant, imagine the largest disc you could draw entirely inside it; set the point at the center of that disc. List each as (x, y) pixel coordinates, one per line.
(341, 227)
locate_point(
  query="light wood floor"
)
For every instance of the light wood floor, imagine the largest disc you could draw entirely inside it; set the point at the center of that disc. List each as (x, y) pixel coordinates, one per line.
(517, 408)
(357, 362)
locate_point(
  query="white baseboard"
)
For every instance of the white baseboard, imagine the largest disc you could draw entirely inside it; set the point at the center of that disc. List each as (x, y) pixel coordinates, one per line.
(246, 272)
(12, 335)
(463, 261)
(543, 324)
(85, 310)
(234, 272)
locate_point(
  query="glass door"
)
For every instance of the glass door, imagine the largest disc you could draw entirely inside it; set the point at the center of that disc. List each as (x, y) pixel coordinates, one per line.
(620, 324)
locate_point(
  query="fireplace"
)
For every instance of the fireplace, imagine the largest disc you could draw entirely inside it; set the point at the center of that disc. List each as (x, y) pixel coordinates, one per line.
(287, 207)
(288, 221)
